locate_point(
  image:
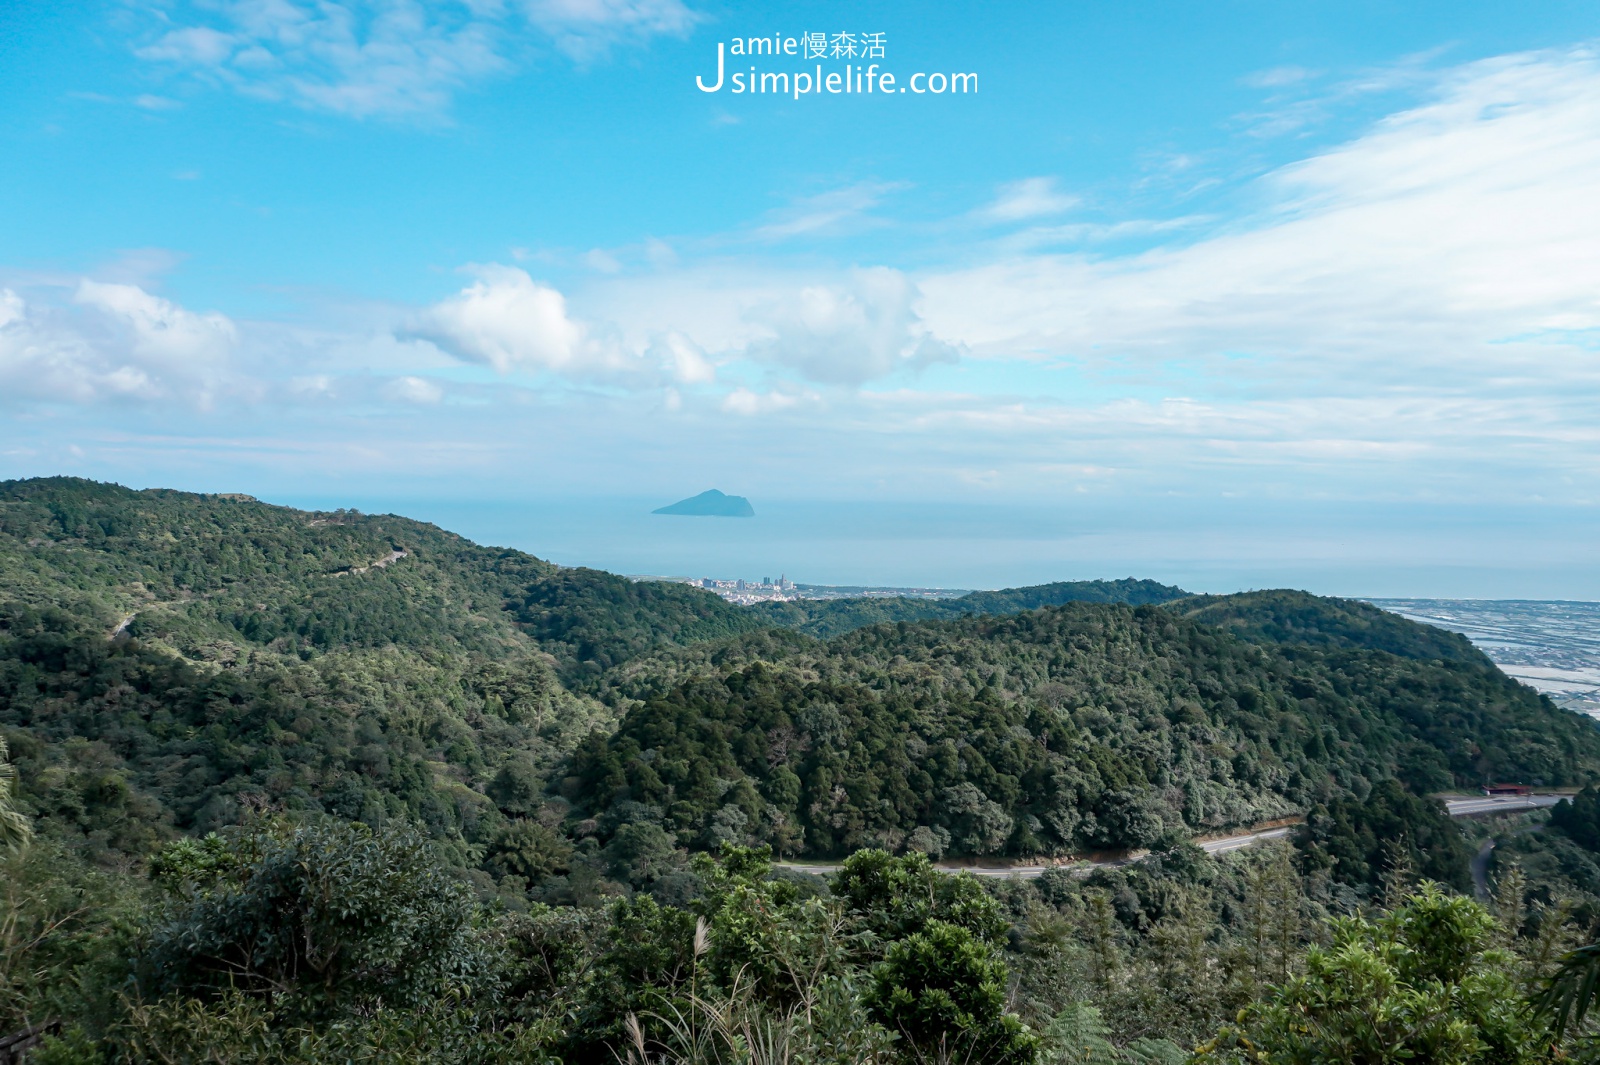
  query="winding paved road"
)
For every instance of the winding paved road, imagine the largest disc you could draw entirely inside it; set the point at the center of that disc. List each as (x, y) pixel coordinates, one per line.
(1480, 869)
(1465, 806)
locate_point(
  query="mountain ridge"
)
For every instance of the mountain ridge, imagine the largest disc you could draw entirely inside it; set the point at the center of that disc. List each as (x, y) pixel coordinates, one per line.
(170, 661)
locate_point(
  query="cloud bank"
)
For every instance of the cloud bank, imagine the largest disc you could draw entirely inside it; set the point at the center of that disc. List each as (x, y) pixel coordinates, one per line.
(126, 344)
(1415, 310)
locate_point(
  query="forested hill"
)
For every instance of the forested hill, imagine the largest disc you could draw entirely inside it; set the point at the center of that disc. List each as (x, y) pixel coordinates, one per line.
(832, 617)
(1289, 617)
(210, 575)
(1075, 727)
(169, 660)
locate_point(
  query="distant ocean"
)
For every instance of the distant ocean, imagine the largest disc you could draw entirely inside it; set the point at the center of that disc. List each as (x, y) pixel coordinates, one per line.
(1553, 647)
(1393, 550)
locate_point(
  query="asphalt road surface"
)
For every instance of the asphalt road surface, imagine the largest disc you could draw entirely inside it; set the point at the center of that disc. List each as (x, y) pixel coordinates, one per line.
(1249, 839)
(1499, 804)
(1463, 807)
(1480, 869)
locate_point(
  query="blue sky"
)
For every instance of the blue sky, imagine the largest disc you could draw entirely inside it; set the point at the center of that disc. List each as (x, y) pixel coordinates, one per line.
(1300, 256)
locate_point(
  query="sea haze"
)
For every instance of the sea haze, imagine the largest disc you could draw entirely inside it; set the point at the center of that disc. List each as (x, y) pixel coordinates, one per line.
(1204, 545)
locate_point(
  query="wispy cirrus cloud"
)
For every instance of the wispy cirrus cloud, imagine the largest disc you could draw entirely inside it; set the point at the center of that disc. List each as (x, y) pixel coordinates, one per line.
(1030, 198)
(835, 212)
(391, 59)
(585, 28)
(1406, 257)
(1278, 77)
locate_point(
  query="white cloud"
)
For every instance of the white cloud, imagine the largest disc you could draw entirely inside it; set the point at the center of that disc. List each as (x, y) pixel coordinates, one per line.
(128, 345)
(393, 58)
(687, 360)
(507, 320)
(199, 45)
(1035, 197)
(1278, 77)
(851, 333)
(38, 362)
(416, 390)
(144, 267)
(384, 58)
(660, 253)
(511, 322)
(748, 403)
(1408, 255)
(1042, 236)
(583, 28)
(312, 386)
(162, 332)
(12, 309)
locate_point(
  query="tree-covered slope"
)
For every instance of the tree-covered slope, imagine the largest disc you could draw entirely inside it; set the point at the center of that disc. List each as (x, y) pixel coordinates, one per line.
(167, 659)
(192, 570)
(1078, 727)
(826, 618)
(122, 744)
(271, 666)
(199, 572)
(592, 621)
(1283, 616)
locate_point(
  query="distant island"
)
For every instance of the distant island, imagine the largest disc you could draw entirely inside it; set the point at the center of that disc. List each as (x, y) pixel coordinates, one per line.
(711, 504)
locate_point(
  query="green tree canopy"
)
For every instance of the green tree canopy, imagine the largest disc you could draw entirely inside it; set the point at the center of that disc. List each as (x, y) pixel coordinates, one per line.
(1421, 984)
(331, 914)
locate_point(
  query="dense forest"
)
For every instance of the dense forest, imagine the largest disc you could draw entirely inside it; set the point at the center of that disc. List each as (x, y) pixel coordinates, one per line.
(284, 785)
(1082, 727)
(831, 617)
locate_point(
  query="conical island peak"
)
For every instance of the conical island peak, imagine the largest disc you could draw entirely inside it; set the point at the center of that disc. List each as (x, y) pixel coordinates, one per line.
(710, 504)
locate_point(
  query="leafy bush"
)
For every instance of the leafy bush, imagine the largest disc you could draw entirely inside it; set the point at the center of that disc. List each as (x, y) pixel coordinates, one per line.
(943, 990)
(892, 898)
(331, 915)
(1419, 984)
